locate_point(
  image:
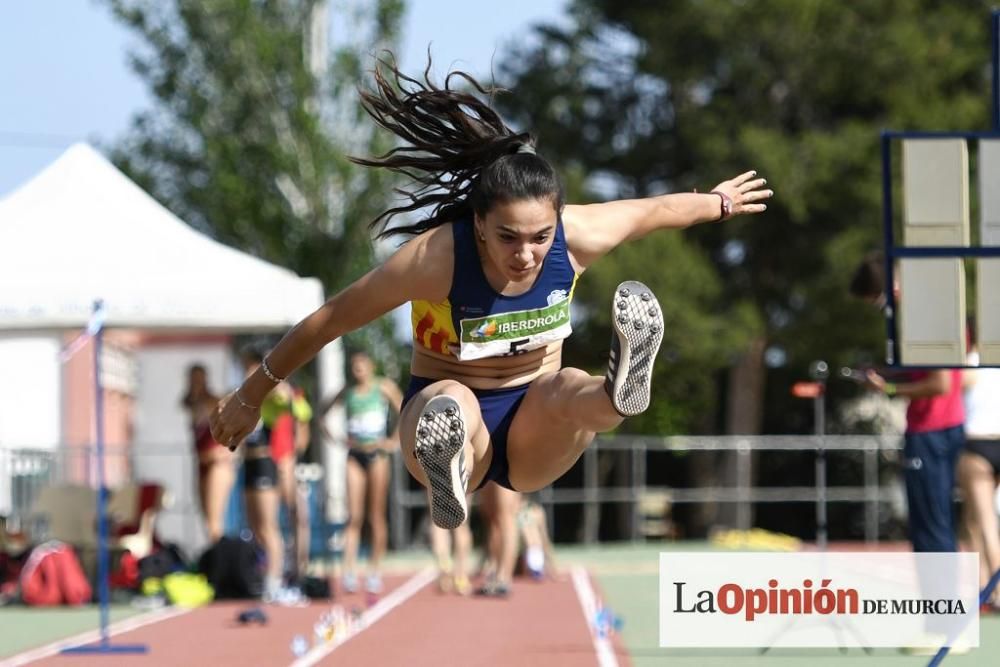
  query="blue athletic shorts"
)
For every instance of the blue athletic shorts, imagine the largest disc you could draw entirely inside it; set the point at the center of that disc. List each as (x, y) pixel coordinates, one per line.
(498, 407)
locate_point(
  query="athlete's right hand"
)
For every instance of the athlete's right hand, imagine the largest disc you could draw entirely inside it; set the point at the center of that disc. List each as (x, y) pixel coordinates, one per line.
(232, 421)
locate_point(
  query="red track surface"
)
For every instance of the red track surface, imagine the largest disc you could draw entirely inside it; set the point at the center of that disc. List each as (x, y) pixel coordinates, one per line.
(540, 624)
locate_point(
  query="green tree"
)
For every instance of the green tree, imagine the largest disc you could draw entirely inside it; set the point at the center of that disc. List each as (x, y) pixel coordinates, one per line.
(254, 118)
(647, 97)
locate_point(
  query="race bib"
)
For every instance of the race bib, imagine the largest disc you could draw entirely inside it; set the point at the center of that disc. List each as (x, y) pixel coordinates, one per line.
(513, 333)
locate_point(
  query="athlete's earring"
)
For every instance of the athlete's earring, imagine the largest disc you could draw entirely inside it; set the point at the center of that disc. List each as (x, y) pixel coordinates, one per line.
(482, 237)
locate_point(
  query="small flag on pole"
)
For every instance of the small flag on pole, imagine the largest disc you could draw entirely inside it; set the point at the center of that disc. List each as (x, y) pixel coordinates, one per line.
(94, 324)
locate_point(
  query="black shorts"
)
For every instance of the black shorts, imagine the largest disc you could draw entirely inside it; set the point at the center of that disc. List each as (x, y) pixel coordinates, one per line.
(365, 456)
(988, 449)
(260, 474)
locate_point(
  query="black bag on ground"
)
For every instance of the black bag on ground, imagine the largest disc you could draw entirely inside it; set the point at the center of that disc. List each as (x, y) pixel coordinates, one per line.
(166, 560)
(234, 568)
(316, 588)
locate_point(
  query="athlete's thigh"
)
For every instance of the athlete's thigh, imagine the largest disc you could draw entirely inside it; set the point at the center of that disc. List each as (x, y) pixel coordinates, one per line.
(357, 483)
(542, 445)
(262, 508)
(286, 479)
(378, 483)
(486, 502)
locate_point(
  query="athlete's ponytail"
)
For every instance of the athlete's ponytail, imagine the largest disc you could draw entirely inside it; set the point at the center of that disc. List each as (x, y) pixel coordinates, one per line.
(461, 156)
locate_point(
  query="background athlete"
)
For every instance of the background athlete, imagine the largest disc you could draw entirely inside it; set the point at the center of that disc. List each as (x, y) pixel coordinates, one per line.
(371, 404)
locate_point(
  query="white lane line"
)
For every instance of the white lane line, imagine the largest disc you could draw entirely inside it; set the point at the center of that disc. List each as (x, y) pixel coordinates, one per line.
(92, 636)
(373, 614)
(588, 601)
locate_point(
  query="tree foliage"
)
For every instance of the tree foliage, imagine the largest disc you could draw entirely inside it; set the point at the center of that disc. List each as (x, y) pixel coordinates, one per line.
(253, 120)
(646, 97)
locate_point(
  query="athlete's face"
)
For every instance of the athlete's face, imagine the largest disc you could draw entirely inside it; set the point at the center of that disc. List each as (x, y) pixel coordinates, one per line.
(362, 368)
(517, 235)
(197, 379)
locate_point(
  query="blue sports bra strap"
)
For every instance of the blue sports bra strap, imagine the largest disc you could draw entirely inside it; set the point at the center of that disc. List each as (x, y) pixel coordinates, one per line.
(560, 236)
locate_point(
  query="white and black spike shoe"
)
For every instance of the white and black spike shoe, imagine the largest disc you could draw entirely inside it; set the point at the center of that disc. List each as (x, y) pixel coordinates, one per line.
(440, 452)
(637, 322)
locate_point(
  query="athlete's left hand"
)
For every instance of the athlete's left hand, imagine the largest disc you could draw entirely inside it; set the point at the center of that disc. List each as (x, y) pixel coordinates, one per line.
(747, 194)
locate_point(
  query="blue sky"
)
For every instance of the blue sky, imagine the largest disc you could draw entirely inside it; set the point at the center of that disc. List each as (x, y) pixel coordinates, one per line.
(65, 78)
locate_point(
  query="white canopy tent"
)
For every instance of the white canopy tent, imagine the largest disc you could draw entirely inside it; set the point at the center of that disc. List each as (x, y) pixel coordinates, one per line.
(81, 231)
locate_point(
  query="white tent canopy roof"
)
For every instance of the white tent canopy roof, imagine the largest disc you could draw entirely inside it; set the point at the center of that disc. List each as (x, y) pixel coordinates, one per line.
(81, 231)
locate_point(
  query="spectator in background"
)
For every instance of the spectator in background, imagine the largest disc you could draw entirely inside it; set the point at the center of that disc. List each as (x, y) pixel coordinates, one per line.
(979, 464)
(499, 507)
(933, 440)
(452, 564)
(260, 492)
(934, 429)
(536, 556)
(372, 404)
(286, 414)
(216, 472)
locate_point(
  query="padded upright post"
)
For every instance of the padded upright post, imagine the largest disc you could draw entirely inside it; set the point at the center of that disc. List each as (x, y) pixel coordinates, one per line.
(935, 213)
(988, 269)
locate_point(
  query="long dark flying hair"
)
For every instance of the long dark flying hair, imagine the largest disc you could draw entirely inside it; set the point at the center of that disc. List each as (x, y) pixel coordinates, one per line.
(461, 156)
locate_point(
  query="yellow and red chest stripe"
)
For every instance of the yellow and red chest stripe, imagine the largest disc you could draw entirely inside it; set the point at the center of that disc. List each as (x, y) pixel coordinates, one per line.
(432, 325)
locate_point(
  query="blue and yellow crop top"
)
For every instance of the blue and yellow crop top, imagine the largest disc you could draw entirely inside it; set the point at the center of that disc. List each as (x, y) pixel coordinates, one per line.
(475, 322)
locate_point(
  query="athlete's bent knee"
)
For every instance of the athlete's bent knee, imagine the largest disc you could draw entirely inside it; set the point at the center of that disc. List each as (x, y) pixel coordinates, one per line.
(560, 388)
(570, 379)
(451, 388)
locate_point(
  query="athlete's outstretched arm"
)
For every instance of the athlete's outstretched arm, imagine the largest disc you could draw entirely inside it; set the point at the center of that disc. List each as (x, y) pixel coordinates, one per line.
(416, 271)
(595, 229)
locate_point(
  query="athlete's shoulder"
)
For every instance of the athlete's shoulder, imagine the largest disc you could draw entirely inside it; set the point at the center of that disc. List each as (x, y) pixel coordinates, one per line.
(438, 244)
(389, 388)
(425, 264)
(434, 245)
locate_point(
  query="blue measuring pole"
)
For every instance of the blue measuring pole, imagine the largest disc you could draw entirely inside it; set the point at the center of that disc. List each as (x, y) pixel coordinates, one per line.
(96, 329)
(103, 592)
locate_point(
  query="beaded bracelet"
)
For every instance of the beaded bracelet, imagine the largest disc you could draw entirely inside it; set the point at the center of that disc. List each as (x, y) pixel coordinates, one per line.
(269, 373)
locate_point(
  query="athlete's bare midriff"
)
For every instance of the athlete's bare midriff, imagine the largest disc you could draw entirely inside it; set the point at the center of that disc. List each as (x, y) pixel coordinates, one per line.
(491, 373)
